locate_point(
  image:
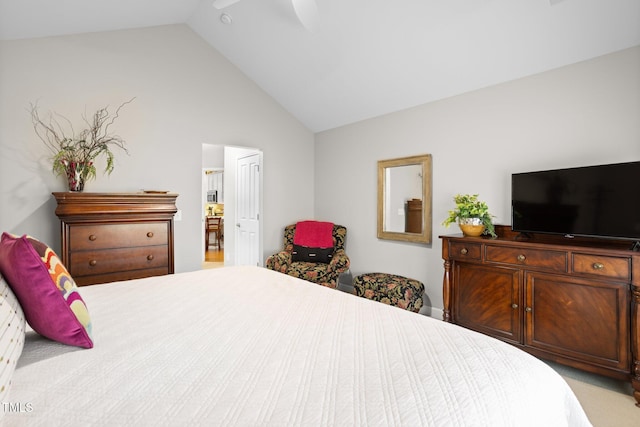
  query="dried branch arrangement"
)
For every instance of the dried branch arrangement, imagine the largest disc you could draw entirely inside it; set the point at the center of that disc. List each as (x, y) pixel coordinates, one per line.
(75, 153)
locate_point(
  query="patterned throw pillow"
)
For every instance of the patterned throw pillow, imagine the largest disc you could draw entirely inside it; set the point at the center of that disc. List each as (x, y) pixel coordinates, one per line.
(48, 295)
(12, 326)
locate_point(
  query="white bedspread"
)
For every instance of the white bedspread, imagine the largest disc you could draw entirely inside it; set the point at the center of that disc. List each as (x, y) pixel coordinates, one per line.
(247, 346)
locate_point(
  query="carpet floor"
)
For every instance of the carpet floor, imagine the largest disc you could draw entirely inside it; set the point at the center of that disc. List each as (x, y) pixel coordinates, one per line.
(606, 401)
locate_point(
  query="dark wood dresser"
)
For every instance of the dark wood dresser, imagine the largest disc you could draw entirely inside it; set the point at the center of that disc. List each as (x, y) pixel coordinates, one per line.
(413, 216)
(116, 236)
(572, 301)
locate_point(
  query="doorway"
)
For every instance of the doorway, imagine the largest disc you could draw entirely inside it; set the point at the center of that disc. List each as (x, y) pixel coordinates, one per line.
(213, 202)
(222, 194)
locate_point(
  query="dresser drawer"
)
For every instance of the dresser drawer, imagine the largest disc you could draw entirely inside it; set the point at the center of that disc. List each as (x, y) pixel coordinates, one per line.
(465, 250)
(104, 236)
(86, 263)
(602, 266)
(535, 258)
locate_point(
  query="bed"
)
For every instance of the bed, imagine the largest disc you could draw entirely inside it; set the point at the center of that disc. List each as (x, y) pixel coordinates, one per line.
(247, 346)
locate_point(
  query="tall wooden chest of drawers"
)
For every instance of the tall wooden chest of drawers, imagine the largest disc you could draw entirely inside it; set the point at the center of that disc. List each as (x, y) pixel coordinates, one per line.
(116, 236)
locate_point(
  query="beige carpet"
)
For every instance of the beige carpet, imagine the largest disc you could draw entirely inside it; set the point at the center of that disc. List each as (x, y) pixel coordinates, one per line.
(607, 402)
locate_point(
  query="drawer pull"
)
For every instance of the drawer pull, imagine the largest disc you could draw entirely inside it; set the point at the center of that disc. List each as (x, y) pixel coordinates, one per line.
(150, 234)
(464, 251)
(93, 263)
(528, 309)
(150, 257)
(92, 237)
(521, 257)
(598, 266)
(514, 306)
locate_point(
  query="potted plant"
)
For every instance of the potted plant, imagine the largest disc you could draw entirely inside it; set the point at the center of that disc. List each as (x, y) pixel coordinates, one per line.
(472, 215)
(74, 154)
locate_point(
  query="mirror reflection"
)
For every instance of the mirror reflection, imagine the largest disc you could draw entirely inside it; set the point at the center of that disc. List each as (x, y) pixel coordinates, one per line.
(404, 199)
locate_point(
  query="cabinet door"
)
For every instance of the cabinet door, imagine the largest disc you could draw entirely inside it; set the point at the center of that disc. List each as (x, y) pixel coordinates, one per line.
(488, 299)
(581, 319)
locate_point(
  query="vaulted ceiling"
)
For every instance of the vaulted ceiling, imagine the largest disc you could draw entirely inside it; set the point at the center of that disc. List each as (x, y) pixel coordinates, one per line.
(365, 57)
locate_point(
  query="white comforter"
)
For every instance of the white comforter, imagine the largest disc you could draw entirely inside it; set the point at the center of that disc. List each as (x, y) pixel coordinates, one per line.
(247, 346)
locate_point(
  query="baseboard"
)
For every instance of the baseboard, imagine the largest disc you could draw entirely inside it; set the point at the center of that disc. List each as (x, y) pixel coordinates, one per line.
(434, 312)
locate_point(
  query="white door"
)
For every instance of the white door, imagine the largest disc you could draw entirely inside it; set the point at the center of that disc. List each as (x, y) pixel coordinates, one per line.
(247, 236)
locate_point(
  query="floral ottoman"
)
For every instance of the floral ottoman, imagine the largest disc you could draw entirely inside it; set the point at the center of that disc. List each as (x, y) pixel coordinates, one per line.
(390, 289)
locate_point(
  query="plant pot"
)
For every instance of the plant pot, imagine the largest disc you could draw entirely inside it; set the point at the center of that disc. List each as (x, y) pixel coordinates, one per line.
(471, 227)
(77, 175)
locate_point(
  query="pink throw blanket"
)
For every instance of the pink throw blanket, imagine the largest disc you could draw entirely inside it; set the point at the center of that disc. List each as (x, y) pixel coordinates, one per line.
(314, 234)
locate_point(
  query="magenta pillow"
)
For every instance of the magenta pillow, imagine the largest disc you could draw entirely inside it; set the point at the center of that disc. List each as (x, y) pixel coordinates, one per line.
(48, 295)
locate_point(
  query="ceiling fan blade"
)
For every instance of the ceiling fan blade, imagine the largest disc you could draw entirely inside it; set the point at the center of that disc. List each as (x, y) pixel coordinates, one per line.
(221, 4)
(307, 12)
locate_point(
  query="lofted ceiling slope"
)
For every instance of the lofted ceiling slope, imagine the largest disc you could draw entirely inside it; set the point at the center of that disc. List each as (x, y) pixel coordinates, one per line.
(366, 57)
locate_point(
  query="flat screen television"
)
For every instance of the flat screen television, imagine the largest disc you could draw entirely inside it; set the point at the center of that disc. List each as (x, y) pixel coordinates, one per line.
(593, 201)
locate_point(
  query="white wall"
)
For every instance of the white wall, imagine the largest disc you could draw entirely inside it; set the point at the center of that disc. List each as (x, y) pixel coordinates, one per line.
(186, 94)
(587, 113)
(212, 156)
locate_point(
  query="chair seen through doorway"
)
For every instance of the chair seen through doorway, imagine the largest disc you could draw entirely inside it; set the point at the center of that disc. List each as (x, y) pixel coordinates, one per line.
(213, 226)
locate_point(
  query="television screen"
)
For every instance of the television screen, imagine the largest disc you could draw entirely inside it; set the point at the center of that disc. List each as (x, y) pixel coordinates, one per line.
(600, 201)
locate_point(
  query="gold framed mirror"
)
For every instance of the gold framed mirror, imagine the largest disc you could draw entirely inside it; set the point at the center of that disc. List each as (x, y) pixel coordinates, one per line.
(404, 199)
